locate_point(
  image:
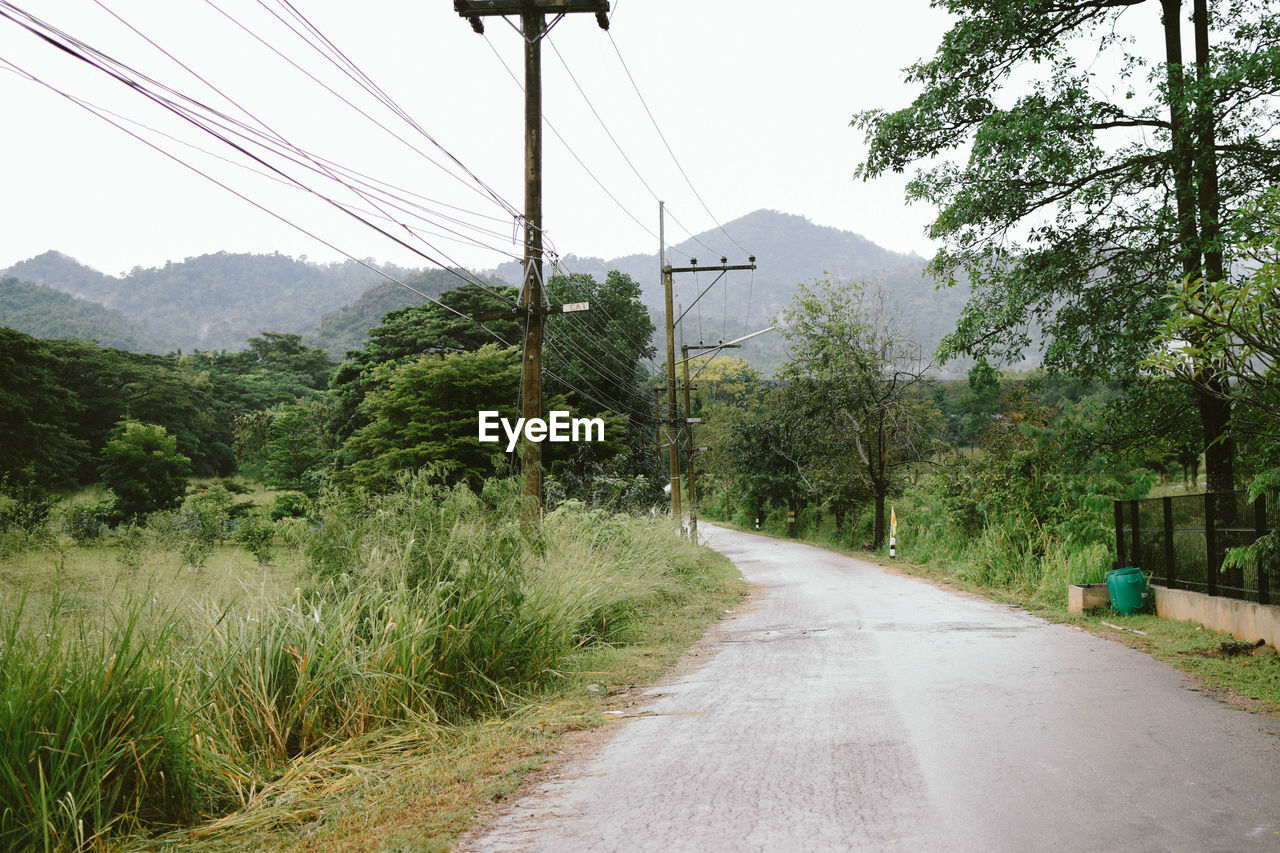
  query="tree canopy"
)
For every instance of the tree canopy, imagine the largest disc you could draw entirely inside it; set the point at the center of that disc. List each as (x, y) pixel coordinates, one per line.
(1075, 200)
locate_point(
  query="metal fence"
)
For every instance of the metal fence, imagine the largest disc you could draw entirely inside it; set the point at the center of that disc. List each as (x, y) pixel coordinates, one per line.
(1182, 540)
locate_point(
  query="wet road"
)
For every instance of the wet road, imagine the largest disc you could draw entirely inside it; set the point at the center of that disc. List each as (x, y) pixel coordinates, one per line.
(854, 709)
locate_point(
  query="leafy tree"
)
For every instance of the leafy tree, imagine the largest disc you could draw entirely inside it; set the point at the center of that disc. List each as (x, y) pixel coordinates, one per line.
(724, 379)
(142, 466)
(1232, 324)
(764, 449)
(111, 385)
(40, 444)
(287, 446)
(596, 357)
(982, 403)
(595, 366)
(424, 413)
(257, 535)
(282, 354)
(853, 373)
(408, 334)
(1078, 201)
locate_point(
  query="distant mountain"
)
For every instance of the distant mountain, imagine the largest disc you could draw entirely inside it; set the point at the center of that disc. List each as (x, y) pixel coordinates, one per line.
(216, 302)
(42, 312)
(789, 250)
(212, 302)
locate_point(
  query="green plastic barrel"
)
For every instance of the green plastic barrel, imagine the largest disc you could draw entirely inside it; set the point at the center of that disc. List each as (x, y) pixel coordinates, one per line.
(1128, 588)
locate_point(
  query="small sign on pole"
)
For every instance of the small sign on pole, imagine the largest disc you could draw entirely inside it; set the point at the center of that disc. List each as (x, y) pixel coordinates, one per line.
(571, 307)
(791, 516)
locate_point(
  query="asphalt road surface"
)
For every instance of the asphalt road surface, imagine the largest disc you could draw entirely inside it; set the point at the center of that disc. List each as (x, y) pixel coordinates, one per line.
(855, 709)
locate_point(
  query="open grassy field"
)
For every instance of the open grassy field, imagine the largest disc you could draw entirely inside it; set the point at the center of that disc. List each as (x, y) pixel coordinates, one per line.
(400, 661)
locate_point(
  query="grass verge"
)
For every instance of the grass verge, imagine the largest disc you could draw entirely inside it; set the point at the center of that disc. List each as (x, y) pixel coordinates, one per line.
(416, 788)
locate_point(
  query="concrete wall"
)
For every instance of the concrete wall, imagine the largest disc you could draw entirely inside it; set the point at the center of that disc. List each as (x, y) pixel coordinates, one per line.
(1243, 620)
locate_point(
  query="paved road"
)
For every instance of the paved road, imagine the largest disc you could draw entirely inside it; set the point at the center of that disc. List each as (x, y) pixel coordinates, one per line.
(855, 709)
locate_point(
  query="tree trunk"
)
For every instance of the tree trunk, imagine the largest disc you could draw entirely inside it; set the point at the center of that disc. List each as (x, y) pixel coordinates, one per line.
(880, 480)
(1184, 188)
(1215, 412)
(878, 537)
(1215, 408)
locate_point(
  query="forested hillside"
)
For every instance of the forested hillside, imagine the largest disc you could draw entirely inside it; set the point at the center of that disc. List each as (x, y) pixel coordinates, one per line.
(212, 302)
(218, 302)
(789, 250)
(42, 312)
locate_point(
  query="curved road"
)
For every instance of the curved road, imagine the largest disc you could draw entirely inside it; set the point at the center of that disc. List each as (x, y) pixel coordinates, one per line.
(855, 709)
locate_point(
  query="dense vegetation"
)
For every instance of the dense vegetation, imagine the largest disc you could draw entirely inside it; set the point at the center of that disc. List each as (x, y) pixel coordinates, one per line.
(133, 698)
(1129, 221)
(422, 601)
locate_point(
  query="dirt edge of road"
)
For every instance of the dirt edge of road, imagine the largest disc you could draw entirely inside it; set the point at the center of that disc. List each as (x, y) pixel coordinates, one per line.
(580, 746)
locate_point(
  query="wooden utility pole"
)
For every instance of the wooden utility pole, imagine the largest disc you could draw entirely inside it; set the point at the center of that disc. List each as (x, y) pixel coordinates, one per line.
(673, 417)
(672, 413)
(533, 26)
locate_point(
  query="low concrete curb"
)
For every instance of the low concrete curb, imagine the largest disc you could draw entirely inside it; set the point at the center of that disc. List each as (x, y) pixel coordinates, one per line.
(1243, 620)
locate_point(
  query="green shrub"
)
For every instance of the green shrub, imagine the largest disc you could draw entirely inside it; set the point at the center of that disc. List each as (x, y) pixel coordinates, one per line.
(142, 466)
(86, 523)
(132, 544)
(213, 507)
(257, 535)
(291, 505)
(24, 505)
(189, 532)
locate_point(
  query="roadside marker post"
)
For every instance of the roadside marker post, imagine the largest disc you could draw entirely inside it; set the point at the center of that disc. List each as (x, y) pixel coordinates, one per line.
(893, 533)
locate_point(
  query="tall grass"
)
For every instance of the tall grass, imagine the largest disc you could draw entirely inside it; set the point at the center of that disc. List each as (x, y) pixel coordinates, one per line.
(93, 729)
(421, 607)
(1014, 552)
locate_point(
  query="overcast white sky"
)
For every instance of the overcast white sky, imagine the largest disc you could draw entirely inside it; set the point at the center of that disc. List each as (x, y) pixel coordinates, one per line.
(754, 98)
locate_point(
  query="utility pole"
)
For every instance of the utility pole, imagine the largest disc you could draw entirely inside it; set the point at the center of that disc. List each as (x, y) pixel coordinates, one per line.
(533, 27)
(668, 274)
(676, 514)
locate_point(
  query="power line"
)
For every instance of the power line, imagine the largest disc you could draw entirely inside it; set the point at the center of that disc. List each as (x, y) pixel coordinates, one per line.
(269, 130)
(502, 203)
(354, 72)
(203, 115)
(245, 198)
(599, 396)
(570, 149)
(618, 145)
(663, 137)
